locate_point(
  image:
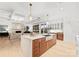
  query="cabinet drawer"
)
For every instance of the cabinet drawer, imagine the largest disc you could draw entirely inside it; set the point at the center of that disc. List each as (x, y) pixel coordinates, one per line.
(43, 44)
(35, 52)
(35, 43)
(50, 43)
(43, 49)
(36, 40)
(60, 36)
(42, 40)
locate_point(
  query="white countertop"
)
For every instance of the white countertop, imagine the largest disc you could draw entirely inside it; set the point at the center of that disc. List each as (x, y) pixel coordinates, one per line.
(26, 42)
(32, 37)
(55, 31)
(36, 36)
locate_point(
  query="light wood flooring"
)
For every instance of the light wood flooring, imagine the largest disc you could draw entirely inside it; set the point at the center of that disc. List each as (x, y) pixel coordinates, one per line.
(11, 48)
(61, 49)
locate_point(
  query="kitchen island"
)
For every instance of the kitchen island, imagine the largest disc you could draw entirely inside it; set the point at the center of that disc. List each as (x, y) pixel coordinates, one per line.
(36, 45)
(59, 33)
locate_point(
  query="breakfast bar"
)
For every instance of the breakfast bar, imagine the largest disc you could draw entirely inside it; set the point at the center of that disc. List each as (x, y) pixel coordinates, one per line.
(36, 45)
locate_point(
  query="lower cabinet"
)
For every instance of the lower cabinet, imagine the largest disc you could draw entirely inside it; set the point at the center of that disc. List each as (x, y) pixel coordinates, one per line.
(39, 46)
(50, 43)
(36, 48)
(60, 36)
(43, 47)
(35, 52)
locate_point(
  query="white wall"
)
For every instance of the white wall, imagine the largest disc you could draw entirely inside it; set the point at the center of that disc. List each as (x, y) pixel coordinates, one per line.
(69, 16)
(57, 12)
(60, 12)
(9, 9)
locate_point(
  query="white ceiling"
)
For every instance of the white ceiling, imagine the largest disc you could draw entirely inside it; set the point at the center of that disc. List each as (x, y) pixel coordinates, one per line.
(55, 10)
(19, 7)
(8, 9)
(38, 8)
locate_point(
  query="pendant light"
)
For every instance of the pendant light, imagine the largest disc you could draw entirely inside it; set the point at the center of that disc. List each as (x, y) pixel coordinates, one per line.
(30, 15)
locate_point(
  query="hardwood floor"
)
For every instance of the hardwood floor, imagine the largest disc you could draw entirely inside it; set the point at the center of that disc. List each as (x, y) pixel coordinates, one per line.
(61, 49)
(11, 48)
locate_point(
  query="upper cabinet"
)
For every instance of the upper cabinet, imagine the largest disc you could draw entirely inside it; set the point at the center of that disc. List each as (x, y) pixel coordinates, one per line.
(40, 28)
(47, 27)
(56, 26)
(36, 28)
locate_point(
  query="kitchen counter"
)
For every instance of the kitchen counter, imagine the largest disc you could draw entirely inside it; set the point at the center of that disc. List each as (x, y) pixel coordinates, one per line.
(28, 41)
(56, 31)
(32, 37)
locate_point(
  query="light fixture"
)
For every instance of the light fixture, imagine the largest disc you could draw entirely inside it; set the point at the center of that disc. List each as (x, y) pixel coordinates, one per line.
(61, 6)
(30, 15)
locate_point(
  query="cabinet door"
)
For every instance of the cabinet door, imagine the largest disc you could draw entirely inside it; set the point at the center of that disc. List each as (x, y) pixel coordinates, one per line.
(36, 28)
(35, 52)
(39, 46)
(60, 36)
(42, 42)
(51, 43)
(35, 48)
(35, 43)
(43, 45)
(48, 44)
(43, 49)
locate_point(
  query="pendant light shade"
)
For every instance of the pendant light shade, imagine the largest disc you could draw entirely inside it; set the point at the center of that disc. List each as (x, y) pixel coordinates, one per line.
(30, 15)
